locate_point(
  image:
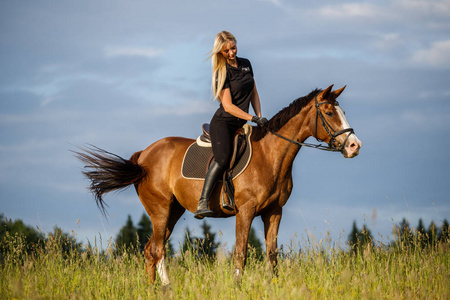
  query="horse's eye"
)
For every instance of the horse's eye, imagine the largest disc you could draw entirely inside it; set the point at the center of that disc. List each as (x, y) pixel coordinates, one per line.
(329, 113)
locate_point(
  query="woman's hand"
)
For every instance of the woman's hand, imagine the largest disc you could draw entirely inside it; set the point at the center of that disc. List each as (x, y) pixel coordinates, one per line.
(260, 121)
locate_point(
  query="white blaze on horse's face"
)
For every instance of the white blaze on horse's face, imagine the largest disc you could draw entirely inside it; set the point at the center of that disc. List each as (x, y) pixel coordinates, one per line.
(353, 144)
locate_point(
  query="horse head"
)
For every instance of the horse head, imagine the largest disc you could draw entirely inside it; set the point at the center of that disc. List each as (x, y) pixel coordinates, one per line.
(331, 126)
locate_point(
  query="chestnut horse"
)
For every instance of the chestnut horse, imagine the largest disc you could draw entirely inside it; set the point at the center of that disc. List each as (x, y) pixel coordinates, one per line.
(262, 190)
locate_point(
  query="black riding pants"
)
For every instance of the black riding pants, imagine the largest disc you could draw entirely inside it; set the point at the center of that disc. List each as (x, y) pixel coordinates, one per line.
(222, 132)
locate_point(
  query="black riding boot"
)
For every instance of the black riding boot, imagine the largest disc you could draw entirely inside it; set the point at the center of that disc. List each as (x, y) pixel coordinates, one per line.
(214, 172)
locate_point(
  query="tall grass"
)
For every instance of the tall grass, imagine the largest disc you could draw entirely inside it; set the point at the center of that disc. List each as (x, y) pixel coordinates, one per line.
(57, 270)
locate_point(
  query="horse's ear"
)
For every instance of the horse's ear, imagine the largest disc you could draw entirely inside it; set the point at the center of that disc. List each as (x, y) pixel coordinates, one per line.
(325, 93)
(336, 93)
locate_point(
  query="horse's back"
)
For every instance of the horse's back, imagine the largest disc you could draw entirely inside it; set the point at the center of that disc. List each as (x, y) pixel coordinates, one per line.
(169, 147)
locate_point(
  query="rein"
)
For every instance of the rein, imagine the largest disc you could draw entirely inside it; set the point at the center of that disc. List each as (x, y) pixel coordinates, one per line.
(331, 147)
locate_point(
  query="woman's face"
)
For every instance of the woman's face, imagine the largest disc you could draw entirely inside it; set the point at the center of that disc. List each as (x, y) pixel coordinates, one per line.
(229, 51)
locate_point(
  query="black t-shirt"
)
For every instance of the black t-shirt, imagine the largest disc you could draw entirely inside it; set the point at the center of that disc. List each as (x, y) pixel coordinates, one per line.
(240, 82)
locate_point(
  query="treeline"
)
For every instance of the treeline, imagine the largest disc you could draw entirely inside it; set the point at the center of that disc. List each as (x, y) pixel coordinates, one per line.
(34, 238)
(130, 238)
(406, 236)
(205, 246)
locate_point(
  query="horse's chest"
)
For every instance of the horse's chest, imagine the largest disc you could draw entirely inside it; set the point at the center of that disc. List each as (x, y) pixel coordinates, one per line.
(285, 193)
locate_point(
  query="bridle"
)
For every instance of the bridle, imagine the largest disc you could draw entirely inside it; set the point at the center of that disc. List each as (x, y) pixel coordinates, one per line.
(333, 134)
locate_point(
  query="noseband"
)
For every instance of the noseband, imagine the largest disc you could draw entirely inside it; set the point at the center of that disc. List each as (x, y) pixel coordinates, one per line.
(331, 133)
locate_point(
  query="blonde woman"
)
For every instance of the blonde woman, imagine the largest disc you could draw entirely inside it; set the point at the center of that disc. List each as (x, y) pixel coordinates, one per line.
(234, 87)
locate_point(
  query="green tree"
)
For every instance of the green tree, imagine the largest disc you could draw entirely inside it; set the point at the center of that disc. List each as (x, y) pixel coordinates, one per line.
(60, 241)
(444, 235)
(127, 238)
(255, 244)
(432, 234)
(422, 234)
(188, 245)
(404, 234)
(144, 230)
(420, 227)
(204, 247)
(359, 239)
(207, 245)
(353, 237)
(31, 235)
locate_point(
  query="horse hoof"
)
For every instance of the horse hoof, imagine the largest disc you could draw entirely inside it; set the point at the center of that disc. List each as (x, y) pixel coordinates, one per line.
(166, 288)
(238, 276)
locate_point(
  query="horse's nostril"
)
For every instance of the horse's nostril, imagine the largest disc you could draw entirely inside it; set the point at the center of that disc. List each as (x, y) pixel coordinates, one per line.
(353, 145)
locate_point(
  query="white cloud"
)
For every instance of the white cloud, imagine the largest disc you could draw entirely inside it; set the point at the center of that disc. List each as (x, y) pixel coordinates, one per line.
(431, 14)
(350, 10)
(420, 119)
(388, 41)
(274, 2)
(438, 55)
(435, 7)
(147, 52)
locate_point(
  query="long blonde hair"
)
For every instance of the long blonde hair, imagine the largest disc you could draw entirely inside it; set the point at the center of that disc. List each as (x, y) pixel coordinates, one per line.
(219, 63)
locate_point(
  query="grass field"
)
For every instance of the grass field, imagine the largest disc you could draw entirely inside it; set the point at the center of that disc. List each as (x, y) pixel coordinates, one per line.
(314, 272)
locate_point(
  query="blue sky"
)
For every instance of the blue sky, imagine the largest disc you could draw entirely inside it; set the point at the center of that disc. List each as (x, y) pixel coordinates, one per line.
(121, 75)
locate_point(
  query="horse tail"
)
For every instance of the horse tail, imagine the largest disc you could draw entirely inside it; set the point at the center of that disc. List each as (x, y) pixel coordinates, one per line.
(108, 172)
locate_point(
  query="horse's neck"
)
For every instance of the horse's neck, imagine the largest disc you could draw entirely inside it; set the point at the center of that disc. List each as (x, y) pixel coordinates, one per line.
(283, 152)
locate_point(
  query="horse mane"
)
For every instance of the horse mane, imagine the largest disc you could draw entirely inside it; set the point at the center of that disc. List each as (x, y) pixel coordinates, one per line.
(283, 116)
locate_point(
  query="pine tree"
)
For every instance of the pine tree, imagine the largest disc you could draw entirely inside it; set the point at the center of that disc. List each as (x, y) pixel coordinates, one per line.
(359, 240)
(61, 241)
(405, 237)
(144, 230)
(207, 246)
(353, 238)
(255, 244)
(188, 242)
(422, 235)
(444, 234)
(420, 227)
(366, 237)
(127, 237)
(432, 234)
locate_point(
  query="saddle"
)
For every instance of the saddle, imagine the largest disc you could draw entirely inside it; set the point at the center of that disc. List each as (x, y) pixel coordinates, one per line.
(239, 145)
(199, 157)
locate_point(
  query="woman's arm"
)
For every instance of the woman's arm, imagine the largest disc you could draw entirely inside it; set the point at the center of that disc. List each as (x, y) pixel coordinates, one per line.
(229, 107)
(256, 104)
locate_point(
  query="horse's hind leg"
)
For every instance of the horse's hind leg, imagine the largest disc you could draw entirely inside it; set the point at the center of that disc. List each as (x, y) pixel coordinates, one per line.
(175, 214)
(154, 251)
(149, 261)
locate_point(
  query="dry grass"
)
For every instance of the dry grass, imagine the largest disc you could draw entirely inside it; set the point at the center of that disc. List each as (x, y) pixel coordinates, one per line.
(312, 273)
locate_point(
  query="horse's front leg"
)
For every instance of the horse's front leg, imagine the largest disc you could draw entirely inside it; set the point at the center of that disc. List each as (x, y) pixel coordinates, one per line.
(243, 223)
(271, 224)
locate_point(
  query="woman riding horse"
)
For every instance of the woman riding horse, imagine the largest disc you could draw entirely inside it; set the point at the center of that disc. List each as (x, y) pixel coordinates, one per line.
(234, 87)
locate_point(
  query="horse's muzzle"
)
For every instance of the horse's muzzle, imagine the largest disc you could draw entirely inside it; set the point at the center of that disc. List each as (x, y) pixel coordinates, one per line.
(352, 146)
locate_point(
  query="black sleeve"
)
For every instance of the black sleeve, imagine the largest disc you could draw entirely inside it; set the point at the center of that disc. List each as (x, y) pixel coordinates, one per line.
(226, 84)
